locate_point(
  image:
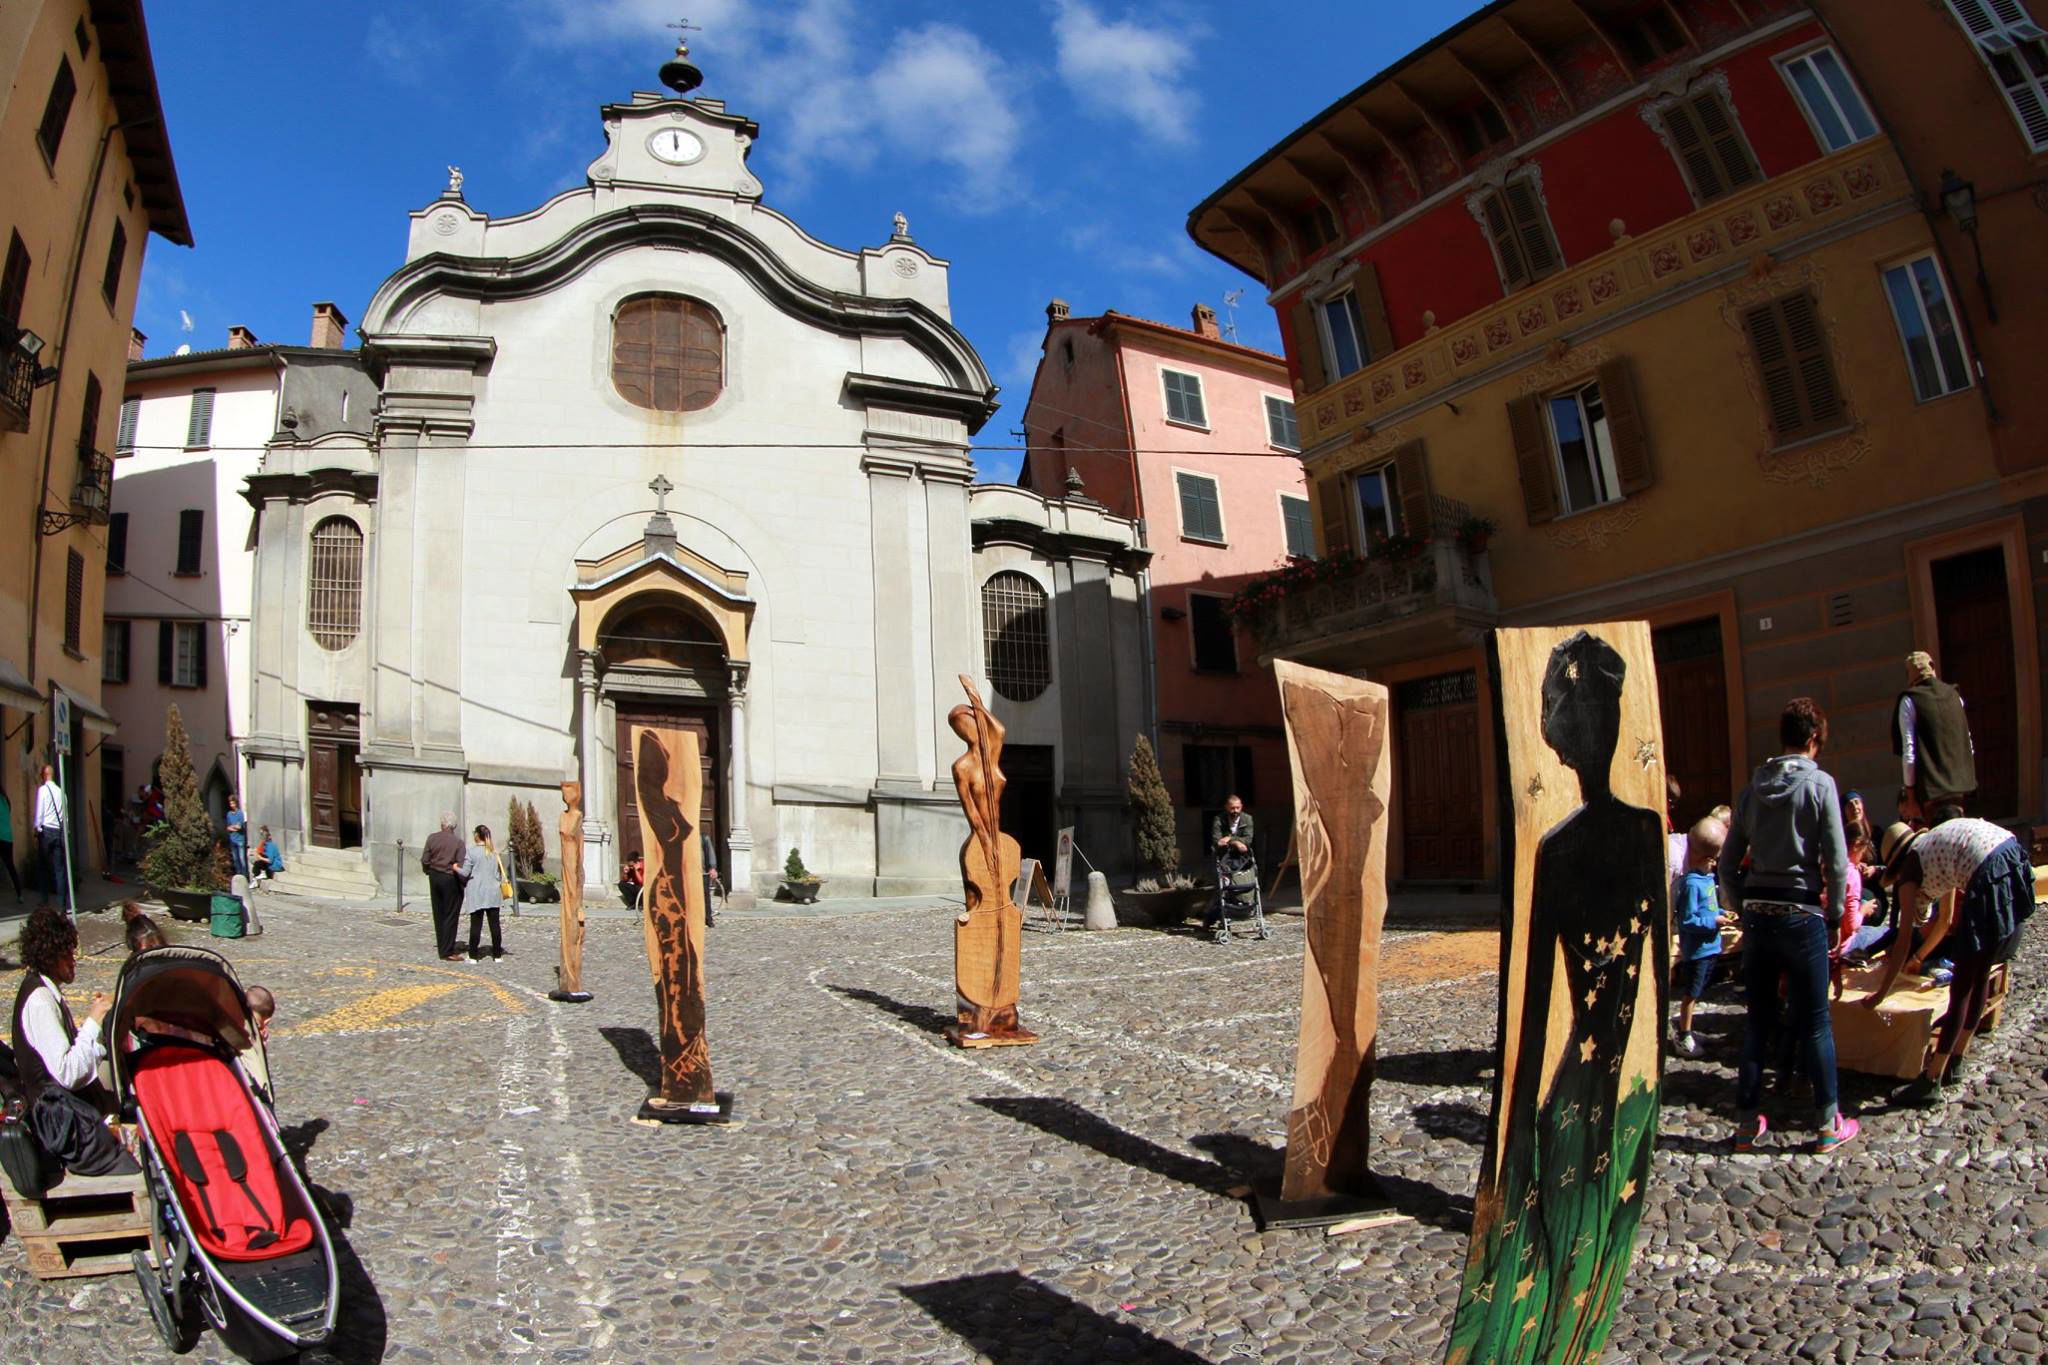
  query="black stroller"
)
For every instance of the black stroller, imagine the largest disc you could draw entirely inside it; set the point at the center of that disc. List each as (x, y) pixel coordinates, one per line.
(1237, 894)
(236, 1242)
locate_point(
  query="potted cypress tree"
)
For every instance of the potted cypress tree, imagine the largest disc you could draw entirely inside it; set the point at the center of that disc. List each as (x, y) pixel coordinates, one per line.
(799, 883)
(529, 853)
(185, 862)
(1165, 895)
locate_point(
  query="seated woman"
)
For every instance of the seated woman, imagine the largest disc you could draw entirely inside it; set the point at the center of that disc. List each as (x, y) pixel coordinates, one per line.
(269, 859)
(58, 1058)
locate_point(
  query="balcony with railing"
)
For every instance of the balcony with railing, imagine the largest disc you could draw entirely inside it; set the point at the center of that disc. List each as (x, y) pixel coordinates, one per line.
(1411, 596)
(17, 387)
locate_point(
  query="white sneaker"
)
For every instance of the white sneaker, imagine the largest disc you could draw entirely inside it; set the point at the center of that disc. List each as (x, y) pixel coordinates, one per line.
(1688, 1046)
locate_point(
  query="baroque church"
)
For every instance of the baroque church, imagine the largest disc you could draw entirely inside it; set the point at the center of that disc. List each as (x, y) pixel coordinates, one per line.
(651, 453)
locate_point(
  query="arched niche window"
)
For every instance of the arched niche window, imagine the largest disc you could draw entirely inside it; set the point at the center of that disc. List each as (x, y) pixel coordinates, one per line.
(668, 353)
(660, 634)
(334, 604)
(1017, 645)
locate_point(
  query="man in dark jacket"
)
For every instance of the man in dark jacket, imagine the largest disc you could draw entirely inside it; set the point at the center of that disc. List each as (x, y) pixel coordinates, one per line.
(1788, 824)
(442, 860)
(1931, 736)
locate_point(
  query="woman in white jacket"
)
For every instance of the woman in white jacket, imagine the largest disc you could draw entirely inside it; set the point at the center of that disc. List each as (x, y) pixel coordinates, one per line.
(484, 888)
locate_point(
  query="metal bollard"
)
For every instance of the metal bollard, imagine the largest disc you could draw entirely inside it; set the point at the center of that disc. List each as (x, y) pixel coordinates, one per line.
(401, 876)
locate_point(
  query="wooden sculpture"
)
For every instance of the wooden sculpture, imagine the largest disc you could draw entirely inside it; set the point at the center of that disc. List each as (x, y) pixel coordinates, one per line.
(988, 936)
(569, 973)
(669, 782)
(1582, 976)
(1337, 744)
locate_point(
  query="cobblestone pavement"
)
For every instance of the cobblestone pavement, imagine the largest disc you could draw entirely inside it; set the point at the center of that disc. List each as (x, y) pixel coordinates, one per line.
(890, 1199)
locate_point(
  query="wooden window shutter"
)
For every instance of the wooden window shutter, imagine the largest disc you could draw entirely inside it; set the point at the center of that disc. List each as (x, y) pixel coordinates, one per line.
(1308, 346)
(14, 283)
(1514, 267)
(1693, 151)
(1625, 427)
(1724, 139)
(1532, 458)
(74, 597)
(1800, 393)
(191, 530)
(1411, 468)
(166, 633)
(1810, 360)
(1372, 311)
(1334, 511)
(1531, 227)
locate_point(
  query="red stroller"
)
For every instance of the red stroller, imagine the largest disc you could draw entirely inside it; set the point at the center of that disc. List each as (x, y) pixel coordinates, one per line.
(236, 1243)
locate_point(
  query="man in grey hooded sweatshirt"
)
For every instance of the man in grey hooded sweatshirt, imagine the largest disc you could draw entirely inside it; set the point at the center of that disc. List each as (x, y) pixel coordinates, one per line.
(1788, 824)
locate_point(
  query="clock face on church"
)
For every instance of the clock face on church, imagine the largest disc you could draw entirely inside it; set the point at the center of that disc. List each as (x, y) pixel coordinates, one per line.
(676, 146)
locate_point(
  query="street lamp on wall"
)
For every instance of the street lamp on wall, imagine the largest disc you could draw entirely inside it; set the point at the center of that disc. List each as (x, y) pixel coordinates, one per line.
(1959, 202)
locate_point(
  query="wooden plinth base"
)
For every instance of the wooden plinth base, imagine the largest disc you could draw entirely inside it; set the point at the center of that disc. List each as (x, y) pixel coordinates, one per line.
(1336, 1214)
(1013, 1038)
(571, 997)
(719, 1113)
(84, 1225)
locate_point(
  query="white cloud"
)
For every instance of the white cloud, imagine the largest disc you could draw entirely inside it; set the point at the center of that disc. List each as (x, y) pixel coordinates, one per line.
(936, 95)
(1021, 354)
(1171, 256)
(1124, 69)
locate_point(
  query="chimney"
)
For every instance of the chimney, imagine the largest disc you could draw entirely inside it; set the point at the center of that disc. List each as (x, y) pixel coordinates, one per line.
(330, 328)
(135, 340)
(240, 338)
(1205, 322)
(1056, 311)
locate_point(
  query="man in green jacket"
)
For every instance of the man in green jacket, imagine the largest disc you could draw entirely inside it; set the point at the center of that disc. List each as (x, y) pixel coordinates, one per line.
(1931, 736)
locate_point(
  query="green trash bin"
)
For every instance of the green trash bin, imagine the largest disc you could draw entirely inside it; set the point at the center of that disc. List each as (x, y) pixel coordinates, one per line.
(227, 917)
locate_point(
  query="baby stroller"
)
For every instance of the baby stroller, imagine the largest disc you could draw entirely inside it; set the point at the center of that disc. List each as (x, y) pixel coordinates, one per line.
(236, 1243)
(1237, 893)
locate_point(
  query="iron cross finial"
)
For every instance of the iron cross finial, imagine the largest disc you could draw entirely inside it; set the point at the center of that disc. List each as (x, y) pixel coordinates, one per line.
(661, 488)
(684, 28)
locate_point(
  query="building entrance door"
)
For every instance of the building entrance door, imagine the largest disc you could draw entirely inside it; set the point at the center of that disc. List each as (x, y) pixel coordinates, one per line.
(1692, 700)
(1028, 815)
(1974, 615)
(1441, 835)
(334, 781)
(699, 719)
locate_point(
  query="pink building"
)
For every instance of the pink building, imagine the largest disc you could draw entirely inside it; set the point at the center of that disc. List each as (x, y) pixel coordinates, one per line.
(1194, 437)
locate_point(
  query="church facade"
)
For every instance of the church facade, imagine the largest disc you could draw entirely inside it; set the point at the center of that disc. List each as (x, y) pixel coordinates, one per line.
(647, 453)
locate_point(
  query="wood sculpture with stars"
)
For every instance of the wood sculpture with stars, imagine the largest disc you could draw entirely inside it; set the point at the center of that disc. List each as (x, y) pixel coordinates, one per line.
(1588, 927)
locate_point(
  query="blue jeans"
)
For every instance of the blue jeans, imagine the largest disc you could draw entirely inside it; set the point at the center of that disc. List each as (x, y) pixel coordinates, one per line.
(1796, 946)
(238, 857)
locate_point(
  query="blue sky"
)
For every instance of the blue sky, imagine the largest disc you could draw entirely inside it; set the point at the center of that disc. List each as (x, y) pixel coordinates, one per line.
(1047, 148)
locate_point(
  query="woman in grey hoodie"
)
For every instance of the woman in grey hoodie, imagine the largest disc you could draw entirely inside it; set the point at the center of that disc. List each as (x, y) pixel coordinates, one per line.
(1788, 823)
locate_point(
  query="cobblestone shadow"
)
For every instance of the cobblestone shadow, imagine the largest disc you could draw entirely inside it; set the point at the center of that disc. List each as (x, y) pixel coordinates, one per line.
(1014, 1320)
(637, 1050)
(1261, 1163)
(918, 1016)
(1065, 1119)
(361, 1326)
(1447, 1066)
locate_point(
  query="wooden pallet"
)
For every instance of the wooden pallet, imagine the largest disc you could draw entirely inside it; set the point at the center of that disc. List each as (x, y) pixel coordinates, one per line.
(86, 1225)
(1996, 987)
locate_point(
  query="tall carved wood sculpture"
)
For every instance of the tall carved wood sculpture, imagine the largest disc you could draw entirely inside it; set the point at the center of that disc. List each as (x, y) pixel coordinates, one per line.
(1582, 974)
(569, 973)
(1337, 743)
(988, 937)
(669, 783)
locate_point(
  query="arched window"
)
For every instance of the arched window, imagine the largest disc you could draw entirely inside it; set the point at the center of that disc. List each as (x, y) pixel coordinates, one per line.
(668, 353)
(1017, 644)
(334, 602)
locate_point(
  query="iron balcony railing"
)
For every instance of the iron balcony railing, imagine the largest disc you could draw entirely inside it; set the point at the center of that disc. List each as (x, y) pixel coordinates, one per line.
(92, 496)
(17, 389)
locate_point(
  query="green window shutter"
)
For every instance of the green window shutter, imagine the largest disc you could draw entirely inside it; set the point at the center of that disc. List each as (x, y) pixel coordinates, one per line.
(1694, 153)
(165, 642)
(1531, 227)
(1514, 267)
(199, 426)
(1724, 139)
(124, 435)
(1820, 395)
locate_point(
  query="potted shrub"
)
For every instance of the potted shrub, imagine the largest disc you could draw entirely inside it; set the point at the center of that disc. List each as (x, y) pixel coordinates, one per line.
(1401, 548)
(185, 862)
(799, 883)
(1164, 895)
(528, 845)
(1474, 532)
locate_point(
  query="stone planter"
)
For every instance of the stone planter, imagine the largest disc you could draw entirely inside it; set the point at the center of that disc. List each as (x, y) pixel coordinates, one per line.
(1163, 909)
(803, 893)
(539, 892)
(195, 907)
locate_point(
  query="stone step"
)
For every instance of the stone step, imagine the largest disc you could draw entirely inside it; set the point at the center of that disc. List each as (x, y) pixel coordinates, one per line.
(343, 859)
(300, 880)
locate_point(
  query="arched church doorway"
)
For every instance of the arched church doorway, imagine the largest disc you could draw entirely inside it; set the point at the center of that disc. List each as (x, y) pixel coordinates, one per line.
(664, 665)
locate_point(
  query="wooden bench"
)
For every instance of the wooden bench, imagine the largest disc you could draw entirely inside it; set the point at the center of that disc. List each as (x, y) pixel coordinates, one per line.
(84, 1225)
